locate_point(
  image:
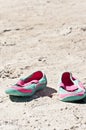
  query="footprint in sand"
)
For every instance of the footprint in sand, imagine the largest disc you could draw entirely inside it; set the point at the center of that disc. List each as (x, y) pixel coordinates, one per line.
(10, 72)
(66, 31)
(7, 44)
(83, 29)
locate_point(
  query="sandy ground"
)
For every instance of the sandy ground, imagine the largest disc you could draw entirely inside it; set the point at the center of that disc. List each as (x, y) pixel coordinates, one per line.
(47, 35)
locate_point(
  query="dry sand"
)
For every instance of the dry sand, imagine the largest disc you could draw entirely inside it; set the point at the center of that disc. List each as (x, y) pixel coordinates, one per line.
(47, 35)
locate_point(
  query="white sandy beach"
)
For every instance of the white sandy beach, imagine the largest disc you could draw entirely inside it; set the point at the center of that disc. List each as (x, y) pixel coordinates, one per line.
(46, 35)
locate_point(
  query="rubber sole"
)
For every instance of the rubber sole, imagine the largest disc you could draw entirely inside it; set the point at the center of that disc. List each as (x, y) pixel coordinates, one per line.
(73, 98)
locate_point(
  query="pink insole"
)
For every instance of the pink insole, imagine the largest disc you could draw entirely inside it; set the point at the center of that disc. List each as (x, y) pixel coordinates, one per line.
(68, 84)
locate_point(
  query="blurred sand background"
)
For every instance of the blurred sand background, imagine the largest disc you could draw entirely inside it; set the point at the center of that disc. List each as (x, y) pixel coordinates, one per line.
(47, 35)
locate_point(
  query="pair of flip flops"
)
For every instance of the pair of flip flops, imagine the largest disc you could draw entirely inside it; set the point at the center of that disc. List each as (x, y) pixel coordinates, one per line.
(69, 87)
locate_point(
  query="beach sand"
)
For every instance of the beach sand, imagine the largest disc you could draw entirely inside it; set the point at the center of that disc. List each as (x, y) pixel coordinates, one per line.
(46, 35)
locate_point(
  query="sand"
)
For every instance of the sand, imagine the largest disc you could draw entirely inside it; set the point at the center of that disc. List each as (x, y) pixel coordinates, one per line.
(46, 35)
